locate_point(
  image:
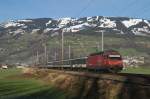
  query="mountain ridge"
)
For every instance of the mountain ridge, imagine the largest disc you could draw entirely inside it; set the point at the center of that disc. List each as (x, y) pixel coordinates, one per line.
(119, 25)
(21, 40)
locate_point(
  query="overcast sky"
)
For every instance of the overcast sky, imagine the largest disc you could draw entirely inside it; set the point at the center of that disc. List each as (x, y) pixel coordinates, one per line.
(22, 9)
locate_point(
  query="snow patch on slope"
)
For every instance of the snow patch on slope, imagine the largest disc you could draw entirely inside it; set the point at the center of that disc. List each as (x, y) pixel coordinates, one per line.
(131, 22)
(147, 22)
(107, 23)
(49, 22)
(78, 27)
(35, 31)
(13, 24)
(141, 31)
(47, 30)
(91, 19)
(65, 21)
(25, 21)
(18, 31)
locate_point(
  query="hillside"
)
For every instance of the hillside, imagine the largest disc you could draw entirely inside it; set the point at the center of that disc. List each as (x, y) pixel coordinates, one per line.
(22, 40)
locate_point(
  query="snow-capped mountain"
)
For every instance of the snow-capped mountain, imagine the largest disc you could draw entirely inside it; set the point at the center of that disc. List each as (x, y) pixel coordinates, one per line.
(21, 39)
(116, 25)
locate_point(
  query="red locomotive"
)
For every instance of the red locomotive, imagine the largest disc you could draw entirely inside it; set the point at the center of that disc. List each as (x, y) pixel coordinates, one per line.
(108, 60)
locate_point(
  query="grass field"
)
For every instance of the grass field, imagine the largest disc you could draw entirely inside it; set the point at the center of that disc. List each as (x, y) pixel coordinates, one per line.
(13, 86)
(137, 70)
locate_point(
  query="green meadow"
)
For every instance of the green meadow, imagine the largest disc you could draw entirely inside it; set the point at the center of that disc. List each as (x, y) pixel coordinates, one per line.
(137, 70)
(15, 86)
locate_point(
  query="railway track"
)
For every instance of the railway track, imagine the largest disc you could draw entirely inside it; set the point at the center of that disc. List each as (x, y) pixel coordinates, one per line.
(126, 78)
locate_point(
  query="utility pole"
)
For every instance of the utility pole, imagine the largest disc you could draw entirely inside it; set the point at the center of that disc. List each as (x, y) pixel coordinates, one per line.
(62, 48)
(37, 57)
(102, 40)
(69, 54)
(69, 51)
(47, 57)
(45, 53)
(55, 56)
(98, 46)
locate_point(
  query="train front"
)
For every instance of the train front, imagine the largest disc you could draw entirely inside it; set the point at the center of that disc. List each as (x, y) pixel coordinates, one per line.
(114, 62)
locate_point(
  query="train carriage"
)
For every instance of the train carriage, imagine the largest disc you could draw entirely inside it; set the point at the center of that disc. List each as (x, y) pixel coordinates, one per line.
(109, 60)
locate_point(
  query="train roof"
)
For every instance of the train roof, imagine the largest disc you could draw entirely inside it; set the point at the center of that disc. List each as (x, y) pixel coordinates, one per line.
(100, 53)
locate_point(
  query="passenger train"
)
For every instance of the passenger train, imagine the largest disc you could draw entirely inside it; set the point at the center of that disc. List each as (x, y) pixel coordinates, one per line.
(109, 60)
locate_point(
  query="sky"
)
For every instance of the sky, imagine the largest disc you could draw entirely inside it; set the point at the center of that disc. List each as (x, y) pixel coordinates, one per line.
(23, 9)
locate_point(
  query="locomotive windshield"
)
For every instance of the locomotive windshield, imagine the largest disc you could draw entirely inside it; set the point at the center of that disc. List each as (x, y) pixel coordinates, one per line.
(115, 57)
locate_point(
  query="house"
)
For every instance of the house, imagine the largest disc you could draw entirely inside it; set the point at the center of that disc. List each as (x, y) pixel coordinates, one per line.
(4, 66)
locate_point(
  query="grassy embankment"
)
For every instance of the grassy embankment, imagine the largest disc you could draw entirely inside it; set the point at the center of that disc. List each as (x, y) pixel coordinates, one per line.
(15, 86)
(137, 70)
